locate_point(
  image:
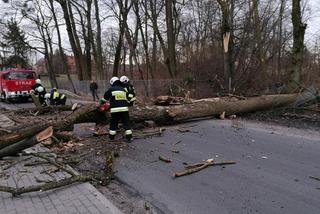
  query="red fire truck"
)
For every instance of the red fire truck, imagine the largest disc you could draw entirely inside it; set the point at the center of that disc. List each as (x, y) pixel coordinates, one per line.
(16, 84)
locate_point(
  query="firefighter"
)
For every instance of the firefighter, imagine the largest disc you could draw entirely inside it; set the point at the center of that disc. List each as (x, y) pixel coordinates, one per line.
(39, 91)
(37, 84)
(56, 98)
(130, 89)
(118, 98)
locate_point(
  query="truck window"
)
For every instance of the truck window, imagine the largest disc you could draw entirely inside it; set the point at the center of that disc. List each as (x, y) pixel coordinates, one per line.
(21, 75)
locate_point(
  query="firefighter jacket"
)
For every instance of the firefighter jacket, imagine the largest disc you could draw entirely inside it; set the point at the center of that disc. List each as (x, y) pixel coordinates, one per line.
(36, 92)
(55, 97)
(131, 93)
(118, 98)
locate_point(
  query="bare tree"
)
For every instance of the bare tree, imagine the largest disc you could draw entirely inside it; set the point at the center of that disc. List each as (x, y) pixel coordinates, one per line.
(61, 50)
(299, 29)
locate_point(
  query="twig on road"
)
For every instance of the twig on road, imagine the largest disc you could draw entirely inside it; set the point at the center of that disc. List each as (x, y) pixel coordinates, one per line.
(200, 166)
(164, 159)
(314, 178)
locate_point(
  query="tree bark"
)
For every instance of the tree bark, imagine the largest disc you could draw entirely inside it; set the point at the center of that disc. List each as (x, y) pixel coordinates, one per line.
(299, 29)
(98, 59)
(22, 132)
(72, 35)
(17, 147)
(171, 58)
(61, 51)
(159, 114)
(227, 8)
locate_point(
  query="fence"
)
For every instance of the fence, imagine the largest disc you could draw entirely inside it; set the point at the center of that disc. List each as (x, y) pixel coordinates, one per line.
(151, 88)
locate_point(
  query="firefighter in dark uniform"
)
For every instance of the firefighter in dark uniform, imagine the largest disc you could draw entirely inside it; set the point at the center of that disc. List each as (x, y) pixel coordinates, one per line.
(39, 91)
(118, 98)
(130, 89)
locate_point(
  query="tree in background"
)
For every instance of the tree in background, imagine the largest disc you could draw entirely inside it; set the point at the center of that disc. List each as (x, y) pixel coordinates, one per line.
(299, 29)
(15, 41)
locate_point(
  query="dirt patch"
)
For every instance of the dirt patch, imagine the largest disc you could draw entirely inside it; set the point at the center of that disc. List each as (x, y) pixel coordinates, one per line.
(291, 117)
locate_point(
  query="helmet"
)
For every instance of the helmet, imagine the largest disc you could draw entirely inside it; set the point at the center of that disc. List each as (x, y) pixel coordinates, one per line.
(124, 79)
(47, 96)
(40, 89)
(113, 79)
(38, 81)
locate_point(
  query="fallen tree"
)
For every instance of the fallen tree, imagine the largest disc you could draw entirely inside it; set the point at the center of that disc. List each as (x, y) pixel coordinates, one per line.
(159, 114)
(17, 147)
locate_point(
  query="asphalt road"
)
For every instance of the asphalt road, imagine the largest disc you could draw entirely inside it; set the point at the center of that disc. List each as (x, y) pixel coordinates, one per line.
(271, 174)
(29, 104)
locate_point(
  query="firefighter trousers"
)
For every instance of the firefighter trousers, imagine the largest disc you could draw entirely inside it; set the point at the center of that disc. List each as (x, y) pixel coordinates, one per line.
(124, 118)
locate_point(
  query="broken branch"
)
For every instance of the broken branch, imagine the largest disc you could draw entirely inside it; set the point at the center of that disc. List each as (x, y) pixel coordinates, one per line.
(315, 178)
(204, 165)
(164, 159)
(47, 186)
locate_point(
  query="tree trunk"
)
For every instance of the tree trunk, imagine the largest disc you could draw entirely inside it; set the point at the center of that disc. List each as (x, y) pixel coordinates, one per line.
(98, 60)
(22, 132)
(18, 147)
(62, 55)
(159, 114)
(227, 38)
(117, 55)
(88, 42)
(299, 29)
(73, 36)
(171, 58)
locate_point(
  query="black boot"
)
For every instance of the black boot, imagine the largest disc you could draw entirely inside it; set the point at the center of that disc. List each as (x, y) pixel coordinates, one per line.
(129, 138)
(111, 137)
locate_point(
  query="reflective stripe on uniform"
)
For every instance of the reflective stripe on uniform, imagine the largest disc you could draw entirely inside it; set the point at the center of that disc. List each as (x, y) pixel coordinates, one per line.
(119, 95)
(127, 132)
(131, 95)
(111, 132)
(133, 99)
(62, 96)
(119, 109)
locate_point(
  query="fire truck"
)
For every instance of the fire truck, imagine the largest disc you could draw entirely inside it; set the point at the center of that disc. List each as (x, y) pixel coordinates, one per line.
(16, 84)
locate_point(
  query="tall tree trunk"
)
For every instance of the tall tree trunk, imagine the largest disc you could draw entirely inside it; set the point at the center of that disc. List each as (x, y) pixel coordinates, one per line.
(88, 42)
(144, 36)
(171, 58)
(154, 19)
(98, 60)
(61, 51)
(299, 29)
(154, 53)
(117, 55)
(72, 35)
(50, 52)
(281, 13)
(258, 37)
(227, 9)
(81, 57)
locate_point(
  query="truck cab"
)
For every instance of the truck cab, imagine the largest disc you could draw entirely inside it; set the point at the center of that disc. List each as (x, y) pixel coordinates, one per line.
(16, 84)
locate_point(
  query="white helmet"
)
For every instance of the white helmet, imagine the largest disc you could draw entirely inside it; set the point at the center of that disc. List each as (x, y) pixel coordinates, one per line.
(47, 96)
(38, 81)
(40, 89)
(124, 79)
(113, 79)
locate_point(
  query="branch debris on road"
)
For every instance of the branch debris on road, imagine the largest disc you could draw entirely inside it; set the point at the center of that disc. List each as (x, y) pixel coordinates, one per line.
(164, 159)
(314, 178)
(200, 166)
